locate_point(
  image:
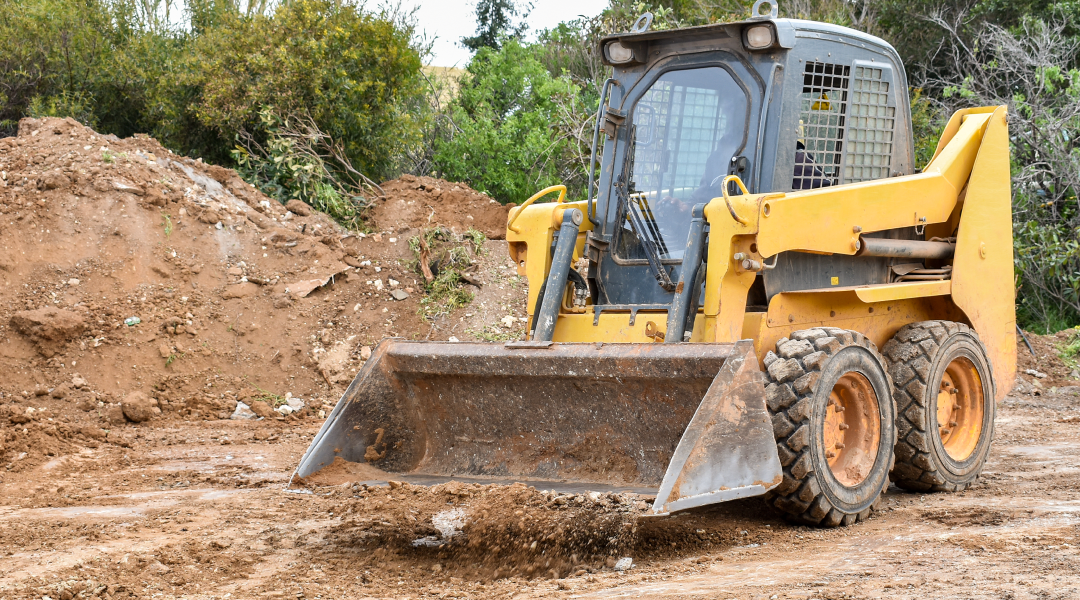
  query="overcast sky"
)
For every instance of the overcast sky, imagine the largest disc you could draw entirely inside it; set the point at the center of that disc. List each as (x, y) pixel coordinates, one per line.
(449, 21)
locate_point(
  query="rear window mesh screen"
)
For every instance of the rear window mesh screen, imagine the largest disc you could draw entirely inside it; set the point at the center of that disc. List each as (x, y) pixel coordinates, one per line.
(870, 139)
(821, 125)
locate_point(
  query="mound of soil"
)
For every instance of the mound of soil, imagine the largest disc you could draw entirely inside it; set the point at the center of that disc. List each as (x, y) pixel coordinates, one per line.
(423, 202)
(126, 269)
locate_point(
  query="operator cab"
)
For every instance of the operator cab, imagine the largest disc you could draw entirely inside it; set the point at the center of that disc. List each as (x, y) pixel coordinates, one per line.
(784, 104)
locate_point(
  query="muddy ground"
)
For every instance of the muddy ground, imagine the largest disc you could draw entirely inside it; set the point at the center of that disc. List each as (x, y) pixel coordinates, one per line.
(122, 475)
(199, 510)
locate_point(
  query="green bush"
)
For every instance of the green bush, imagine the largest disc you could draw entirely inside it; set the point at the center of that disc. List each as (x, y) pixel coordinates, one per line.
(116, 66)
(51, 52)
(351, 71)
(502, 143)
(300, 161)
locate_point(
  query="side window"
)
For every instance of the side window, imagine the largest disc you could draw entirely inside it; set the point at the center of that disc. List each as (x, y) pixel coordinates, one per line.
(872, 122)
(822, 115)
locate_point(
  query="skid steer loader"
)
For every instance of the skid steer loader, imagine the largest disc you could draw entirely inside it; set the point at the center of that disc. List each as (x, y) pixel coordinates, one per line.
(762, 296)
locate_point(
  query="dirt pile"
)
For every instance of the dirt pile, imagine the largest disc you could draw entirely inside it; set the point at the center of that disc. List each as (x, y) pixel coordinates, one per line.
(126, 270)
(423, 202)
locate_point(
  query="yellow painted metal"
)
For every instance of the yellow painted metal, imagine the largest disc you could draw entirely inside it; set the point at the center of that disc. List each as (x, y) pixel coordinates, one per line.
(726, 283)
(900, 291)
(983, 262)
(789, 313)
(516, 212)
(535, 230)
(615, 327)
(824, 220)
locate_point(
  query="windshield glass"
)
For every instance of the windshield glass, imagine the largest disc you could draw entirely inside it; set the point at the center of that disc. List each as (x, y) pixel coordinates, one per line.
(686, 128)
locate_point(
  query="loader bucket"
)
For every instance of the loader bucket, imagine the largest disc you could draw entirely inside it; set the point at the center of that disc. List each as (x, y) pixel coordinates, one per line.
(688, 420)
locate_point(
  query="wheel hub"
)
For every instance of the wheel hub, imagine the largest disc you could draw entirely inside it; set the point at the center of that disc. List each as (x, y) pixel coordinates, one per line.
(852, 429)
(960, 409)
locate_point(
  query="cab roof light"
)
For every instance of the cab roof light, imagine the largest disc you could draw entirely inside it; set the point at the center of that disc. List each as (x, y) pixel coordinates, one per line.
(759, 37)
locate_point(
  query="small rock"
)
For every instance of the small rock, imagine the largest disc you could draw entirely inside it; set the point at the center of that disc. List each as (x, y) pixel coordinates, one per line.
(453, 339)
(262, 409)
(48, 328)
(78, 382)
(295, 404)
(137, 407)
(115, 415)
(243, 412)
(156, 568)
(164, 351)
(365, 352)
(298, 207)
(284, 409)
(73, 281)
(399, 294)
(1035, 373)
(624, 564)
(641, 505)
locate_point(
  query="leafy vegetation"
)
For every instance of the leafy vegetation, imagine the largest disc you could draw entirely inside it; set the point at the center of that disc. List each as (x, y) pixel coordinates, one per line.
(443, 259)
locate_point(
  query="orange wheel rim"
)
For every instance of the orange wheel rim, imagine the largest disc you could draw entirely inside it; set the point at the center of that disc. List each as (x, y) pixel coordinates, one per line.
(852, 429)
(960, 409)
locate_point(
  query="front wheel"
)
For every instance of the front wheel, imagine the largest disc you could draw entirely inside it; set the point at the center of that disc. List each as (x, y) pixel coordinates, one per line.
(834, 420)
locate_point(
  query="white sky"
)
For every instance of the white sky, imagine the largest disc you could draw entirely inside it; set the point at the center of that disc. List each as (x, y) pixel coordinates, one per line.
(449, 21)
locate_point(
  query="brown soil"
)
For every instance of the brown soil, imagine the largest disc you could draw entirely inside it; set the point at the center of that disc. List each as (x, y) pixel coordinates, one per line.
(421, 202)
(236, 298)
(188, 504)
(1046, 359)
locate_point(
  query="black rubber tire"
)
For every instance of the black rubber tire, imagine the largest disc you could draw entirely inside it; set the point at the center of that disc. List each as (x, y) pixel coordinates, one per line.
(801, 375)
(918, 356)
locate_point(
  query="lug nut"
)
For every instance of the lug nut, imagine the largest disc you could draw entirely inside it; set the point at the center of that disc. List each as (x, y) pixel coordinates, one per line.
(945, 431)
(839, 446)
(952, 423)
(830, 454)
(844, 426)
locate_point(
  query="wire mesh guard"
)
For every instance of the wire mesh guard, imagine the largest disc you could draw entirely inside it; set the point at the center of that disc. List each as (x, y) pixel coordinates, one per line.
(821, 125)
(870, 141)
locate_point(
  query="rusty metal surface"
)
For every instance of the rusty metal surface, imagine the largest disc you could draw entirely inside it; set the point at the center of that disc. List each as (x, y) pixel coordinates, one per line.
(728, 451)
(607, 414)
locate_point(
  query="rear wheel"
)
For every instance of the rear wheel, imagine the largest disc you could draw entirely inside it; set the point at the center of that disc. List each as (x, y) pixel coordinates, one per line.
(833, 417)
(945, 405)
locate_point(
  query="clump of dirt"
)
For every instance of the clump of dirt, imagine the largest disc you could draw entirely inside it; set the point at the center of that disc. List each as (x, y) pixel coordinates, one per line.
(49, 328)
(138, 285)
(425, 202)
(488, 532)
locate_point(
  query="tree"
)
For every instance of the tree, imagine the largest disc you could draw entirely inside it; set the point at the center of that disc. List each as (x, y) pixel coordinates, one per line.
(494, 21)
